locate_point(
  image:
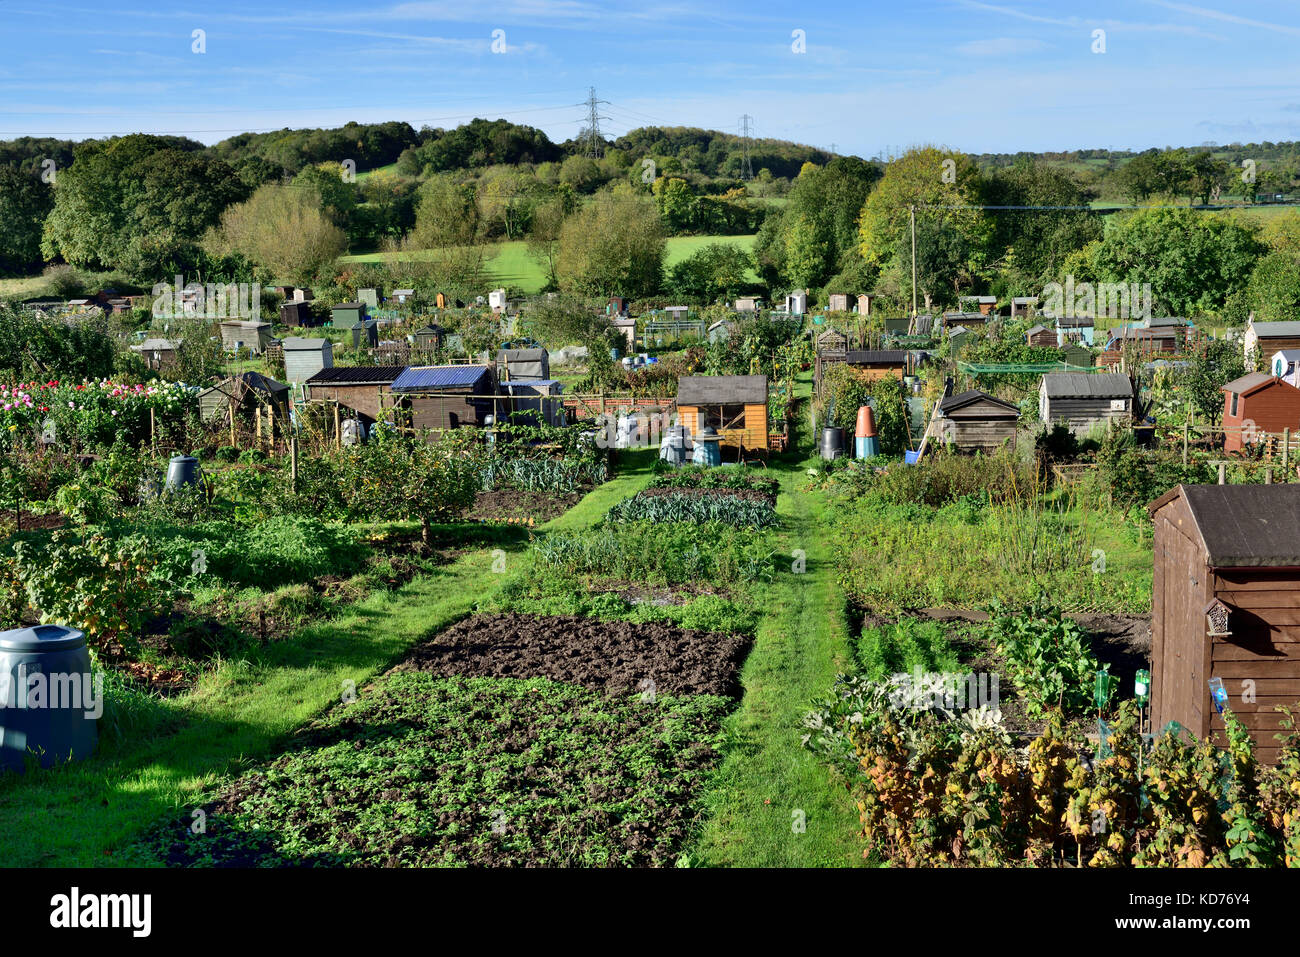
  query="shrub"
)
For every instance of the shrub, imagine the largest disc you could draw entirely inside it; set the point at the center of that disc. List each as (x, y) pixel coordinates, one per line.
(105, 587)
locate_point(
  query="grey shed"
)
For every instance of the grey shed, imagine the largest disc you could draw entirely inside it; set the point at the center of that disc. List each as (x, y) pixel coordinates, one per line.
(303, 358)
(515, 364)
(1083, 400)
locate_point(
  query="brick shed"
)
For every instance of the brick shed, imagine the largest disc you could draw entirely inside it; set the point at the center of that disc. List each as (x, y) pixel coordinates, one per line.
(1226, 604)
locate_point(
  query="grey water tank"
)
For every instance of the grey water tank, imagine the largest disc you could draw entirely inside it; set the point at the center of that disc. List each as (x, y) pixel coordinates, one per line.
(182, 470)
(51, 702)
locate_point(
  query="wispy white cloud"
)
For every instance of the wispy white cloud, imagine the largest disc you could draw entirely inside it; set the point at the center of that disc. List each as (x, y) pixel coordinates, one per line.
(1223, 17)
(1088, 23)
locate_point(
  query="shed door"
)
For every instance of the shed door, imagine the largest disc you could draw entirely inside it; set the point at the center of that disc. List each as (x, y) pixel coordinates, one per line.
(1182, 656)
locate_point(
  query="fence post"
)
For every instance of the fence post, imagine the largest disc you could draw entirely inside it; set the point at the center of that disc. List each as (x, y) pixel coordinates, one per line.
(1286, 452)
(338, 426)
(1186, 430)
(233, 443)
(293, 463)
(1223, 467)
(1268, 475)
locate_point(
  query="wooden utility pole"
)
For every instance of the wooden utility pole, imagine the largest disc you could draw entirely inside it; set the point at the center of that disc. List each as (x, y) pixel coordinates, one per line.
(911, 214)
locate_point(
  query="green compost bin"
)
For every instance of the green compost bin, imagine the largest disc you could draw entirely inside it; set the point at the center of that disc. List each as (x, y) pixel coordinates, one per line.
(49, 703)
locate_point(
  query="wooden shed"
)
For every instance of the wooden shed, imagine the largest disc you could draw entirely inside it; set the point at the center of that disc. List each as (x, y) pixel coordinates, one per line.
(829, 349)
(159, 355)
(447, 397)
(1266, 338)
(523, 364)
(875, 364)
(247, 334)
(348, 315)
(1076, 329)
(1023, 306)
(1258, 402)
(359, 388)
(303, 358)
(1083, 400)
(971, 320)
(297, 313)
(734, 405)
(244, 392)
(983, 304)
(1226, 604)
(1286, 366)
(1159, 339)
(429, 338)
(976, 421)
(1040, 335)
(837, 302)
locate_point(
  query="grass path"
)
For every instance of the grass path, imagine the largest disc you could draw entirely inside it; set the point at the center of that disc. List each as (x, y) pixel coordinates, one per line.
(768, 783)
(85, 814)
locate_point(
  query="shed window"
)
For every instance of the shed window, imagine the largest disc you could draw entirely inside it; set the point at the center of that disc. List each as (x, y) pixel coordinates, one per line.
(722, 417)
(1234, 404)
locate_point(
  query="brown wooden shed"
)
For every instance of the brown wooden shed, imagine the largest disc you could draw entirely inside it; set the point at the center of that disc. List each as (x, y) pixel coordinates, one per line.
(872, 364)
(1258, 403)
(359, 388)
(448, 397)
(1041, 335)
(1226, 604)
(976, 421)
(734, 405)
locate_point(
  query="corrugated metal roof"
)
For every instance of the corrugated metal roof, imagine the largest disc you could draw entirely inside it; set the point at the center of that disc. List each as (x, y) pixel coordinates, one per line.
(722, 390)
(357, 375)
(1245, 526)
(1088, 385)
(436, 377)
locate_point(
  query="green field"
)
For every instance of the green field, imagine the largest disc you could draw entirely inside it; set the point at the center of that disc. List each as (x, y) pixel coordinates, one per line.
(510, 265)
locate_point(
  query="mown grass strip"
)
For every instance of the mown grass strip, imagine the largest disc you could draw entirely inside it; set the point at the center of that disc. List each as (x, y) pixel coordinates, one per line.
(772, 804)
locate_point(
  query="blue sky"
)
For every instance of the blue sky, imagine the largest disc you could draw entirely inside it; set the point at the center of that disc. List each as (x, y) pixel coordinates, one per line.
(979, 76)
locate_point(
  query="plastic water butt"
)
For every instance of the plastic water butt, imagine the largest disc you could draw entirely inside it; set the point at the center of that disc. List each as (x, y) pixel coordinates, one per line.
(708, 447)
(51, 702)
(832, 445)
(182, 470)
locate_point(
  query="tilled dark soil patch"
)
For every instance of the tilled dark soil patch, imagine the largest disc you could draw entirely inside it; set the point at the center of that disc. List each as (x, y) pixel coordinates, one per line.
(613, 657)
(510, 505)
